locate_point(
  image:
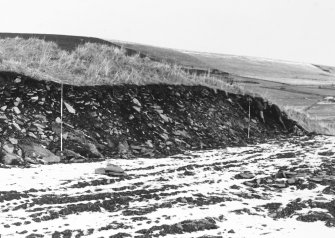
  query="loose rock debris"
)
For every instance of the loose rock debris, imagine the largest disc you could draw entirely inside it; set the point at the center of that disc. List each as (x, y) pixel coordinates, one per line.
(249, 191)
(125, 121)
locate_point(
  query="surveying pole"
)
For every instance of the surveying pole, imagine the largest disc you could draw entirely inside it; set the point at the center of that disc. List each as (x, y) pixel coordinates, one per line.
(61, 119)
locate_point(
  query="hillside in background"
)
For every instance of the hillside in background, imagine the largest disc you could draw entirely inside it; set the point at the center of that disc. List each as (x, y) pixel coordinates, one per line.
(302, 90)
(268, 69)
(163, 54)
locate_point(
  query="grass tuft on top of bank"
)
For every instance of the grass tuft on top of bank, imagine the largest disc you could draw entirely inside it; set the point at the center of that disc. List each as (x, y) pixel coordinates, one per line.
(94, 64)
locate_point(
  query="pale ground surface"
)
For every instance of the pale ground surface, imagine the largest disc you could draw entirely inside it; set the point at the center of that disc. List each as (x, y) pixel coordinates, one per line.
(213, 175)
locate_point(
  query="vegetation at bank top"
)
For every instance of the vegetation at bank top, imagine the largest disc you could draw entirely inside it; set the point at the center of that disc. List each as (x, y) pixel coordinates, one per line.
(65, 42)
(94, 64)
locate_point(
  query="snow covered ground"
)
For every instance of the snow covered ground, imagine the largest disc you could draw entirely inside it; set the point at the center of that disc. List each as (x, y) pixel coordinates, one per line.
(284, 188)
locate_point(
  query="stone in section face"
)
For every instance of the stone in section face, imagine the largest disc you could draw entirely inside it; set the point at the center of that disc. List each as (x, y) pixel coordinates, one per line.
(33, 150)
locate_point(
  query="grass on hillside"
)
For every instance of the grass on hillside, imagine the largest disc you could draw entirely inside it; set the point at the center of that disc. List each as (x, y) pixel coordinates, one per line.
(167, 55)
(93, 64)
(65, 42)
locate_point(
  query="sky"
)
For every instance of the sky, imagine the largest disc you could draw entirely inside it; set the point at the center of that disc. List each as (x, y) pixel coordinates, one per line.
(294, 30)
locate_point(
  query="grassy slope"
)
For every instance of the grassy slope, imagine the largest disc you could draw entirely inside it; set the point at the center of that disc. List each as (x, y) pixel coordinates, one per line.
(70, 43)
(271, 70)
(92, 64)
(64, 42)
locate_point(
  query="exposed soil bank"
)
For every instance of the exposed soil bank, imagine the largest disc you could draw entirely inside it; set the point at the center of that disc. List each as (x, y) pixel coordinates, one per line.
(126, 121)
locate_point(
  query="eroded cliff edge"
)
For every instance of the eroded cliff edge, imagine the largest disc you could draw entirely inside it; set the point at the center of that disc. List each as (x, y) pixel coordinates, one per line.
(127, 120)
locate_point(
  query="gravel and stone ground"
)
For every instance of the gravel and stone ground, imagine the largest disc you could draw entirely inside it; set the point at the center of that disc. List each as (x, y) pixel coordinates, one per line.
(283, 188)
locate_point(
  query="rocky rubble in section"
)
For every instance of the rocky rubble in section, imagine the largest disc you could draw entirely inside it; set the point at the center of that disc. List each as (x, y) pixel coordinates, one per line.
(120, 121)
